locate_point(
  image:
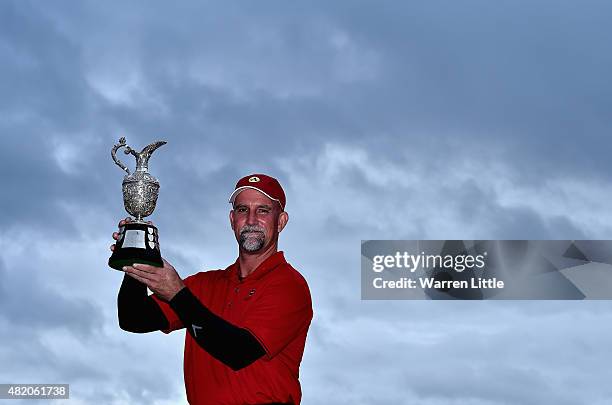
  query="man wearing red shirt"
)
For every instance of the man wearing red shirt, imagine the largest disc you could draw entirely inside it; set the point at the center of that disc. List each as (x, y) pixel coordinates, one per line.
(247, 324)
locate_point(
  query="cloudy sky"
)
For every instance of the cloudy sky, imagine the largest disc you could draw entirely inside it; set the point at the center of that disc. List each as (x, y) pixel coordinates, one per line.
(383, 120)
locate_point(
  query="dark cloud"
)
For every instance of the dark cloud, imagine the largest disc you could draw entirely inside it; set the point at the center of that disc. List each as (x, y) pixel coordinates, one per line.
(482, 75)
(27, 301)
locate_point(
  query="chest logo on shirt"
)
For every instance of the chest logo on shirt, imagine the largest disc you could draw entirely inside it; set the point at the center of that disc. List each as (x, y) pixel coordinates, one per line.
(250, 294)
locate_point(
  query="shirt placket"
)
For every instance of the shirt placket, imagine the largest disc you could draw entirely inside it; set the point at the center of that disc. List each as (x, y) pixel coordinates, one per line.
(233, 301)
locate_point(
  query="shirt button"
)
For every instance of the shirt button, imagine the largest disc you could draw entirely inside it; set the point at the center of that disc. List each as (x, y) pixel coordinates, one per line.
(236, 289)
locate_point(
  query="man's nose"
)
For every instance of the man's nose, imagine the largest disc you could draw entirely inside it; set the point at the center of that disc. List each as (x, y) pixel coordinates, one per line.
(252, 217)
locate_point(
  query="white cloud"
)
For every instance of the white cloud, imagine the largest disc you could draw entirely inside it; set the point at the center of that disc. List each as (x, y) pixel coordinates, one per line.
(460, 198)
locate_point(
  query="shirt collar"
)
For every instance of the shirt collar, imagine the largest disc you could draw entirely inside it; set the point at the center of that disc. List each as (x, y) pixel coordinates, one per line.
(264, 267)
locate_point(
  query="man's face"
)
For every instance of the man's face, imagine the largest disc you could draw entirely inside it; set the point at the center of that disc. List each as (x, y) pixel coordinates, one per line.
(256, 220)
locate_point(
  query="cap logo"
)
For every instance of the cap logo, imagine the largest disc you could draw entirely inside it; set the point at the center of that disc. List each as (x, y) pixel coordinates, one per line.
(253, 179)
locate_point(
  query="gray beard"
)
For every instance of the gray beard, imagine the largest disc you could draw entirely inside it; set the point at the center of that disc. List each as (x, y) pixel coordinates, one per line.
(251, 243)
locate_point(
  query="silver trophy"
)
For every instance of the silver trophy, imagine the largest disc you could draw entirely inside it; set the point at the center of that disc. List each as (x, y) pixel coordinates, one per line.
(138, 241)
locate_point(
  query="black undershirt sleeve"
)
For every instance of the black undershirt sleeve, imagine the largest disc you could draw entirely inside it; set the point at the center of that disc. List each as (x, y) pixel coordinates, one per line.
(138, 312)
(233, 346)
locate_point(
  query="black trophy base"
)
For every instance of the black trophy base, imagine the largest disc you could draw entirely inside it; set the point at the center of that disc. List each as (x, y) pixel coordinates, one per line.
(138, 243)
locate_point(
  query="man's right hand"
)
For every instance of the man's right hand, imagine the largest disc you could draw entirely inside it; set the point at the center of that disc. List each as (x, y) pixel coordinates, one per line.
(116, 234)
(121, 223)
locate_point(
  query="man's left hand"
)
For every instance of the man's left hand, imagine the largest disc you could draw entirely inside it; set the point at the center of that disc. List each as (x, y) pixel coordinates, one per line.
(163, 281)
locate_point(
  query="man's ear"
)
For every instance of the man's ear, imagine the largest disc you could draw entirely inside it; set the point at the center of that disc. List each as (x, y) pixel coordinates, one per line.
(231, 218)
(283, 218)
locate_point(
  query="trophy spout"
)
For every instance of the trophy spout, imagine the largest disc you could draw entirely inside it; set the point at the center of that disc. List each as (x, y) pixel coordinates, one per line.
(142, 158)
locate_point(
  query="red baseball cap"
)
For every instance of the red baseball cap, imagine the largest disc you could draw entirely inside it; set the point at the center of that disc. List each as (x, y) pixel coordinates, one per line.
(267, 185)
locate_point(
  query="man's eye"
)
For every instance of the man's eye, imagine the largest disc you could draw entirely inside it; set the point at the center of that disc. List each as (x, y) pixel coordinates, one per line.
(241, 209)
(263, 211)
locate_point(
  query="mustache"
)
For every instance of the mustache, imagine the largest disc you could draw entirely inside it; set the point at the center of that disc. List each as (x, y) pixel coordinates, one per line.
(251, 228)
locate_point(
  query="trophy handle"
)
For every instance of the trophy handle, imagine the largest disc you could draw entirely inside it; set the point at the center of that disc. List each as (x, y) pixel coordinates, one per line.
(128, 150)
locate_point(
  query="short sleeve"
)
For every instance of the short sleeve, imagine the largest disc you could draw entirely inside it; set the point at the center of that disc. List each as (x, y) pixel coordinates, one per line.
(174, 323)
(280, 314)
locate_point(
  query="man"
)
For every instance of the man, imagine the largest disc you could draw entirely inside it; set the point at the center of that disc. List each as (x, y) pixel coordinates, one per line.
(247, 324)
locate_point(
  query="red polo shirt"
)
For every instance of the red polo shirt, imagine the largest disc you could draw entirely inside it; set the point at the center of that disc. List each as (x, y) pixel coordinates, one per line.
(273, 303)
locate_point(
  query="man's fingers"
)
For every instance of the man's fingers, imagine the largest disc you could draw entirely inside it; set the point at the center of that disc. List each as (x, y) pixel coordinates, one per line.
(137, 277)
(124, 221)
(151, 277)
(116, 235)
(112, 247)
(146, 268)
